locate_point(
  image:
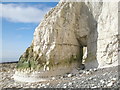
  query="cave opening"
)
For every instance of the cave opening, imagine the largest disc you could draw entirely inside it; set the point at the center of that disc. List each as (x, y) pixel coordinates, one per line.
(82, 51)
(84, 55)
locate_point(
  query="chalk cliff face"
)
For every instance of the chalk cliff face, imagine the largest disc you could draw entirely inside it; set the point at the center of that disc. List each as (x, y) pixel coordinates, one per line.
(105, 37)
(59, 39)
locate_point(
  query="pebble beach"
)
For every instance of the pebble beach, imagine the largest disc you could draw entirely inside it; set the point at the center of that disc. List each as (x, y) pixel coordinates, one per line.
(92, 78)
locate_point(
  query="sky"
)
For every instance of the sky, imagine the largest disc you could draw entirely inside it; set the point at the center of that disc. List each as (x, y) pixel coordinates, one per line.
(19, 21)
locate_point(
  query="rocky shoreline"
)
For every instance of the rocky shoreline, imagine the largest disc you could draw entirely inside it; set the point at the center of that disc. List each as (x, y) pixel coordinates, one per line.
(92, 78)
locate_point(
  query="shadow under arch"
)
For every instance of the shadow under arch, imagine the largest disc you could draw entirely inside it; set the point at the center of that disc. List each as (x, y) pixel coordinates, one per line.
(90, 40)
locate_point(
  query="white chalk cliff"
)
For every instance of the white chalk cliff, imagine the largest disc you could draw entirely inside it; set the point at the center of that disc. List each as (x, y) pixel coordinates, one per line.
(58, 42)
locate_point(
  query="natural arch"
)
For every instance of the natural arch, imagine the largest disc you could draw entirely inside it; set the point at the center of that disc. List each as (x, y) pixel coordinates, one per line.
(58, 42)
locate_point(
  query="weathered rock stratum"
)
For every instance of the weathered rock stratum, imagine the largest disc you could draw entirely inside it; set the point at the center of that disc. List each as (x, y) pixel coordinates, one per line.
(57, 46)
